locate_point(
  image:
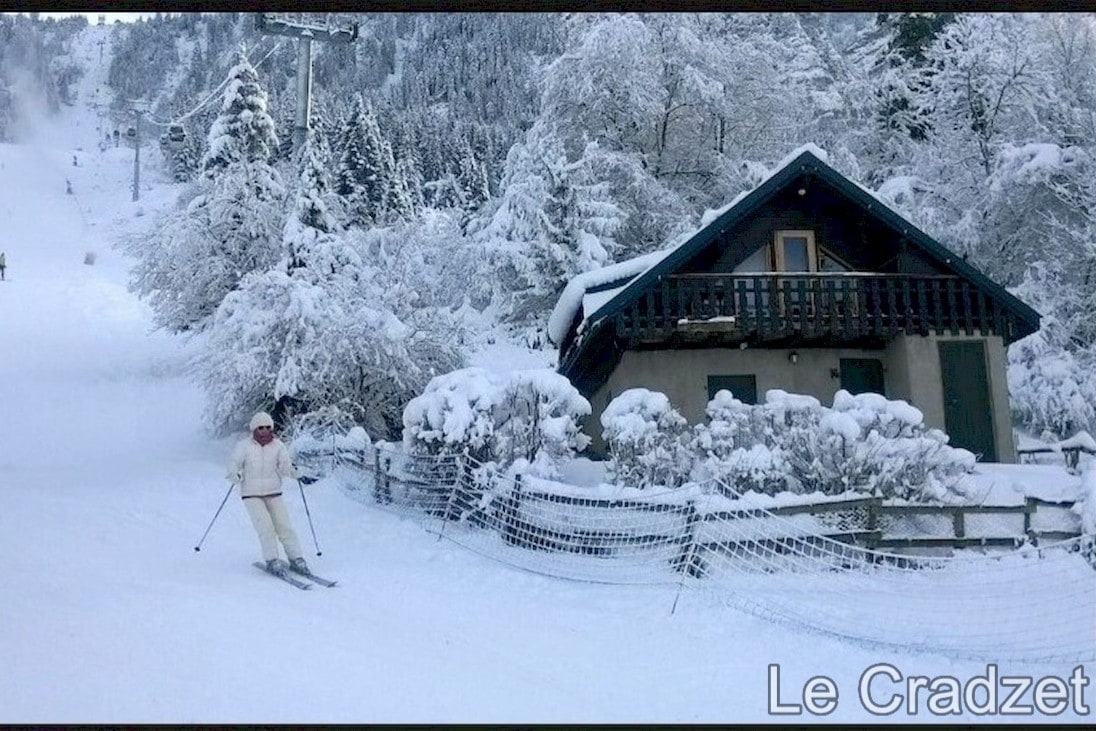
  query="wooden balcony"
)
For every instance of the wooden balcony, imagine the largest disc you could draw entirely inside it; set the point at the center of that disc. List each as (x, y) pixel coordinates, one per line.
(827, 309)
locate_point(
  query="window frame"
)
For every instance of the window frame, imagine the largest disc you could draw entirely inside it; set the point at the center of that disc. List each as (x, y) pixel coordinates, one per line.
(781, 235)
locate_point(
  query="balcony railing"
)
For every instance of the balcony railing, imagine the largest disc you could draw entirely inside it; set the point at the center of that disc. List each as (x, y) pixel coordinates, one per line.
(830, 307)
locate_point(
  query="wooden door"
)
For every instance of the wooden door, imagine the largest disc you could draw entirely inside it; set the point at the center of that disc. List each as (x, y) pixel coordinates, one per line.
(968, 411)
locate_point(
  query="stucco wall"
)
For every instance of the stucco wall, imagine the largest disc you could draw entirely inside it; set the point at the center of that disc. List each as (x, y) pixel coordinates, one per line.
(911, 372)
(683, 376)
(916, 378)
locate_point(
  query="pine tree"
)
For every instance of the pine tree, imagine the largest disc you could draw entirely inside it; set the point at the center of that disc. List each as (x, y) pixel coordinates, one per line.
(309, 224)
(243, 131)
(471, 177)
(365, 167)
(554, 220)
(232, 225)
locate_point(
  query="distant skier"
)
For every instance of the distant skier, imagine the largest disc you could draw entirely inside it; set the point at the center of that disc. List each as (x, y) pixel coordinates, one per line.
(3, 265)
(259, 463)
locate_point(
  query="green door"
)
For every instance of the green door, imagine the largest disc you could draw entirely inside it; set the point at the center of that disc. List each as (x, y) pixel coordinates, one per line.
(968, 415)
(862, 375)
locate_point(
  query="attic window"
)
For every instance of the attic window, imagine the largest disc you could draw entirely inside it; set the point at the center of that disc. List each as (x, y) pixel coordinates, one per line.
(795, 251)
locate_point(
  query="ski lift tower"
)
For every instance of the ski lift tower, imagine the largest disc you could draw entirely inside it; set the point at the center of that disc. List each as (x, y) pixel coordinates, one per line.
(305, 33)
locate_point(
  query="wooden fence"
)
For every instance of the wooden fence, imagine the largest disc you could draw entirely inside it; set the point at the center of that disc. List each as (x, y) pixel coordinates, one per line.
(1071, 455)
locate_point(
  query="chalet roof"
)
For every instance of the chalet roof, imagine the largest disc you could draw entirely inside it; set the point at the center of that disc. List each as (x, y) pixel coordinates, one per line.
(629, 284)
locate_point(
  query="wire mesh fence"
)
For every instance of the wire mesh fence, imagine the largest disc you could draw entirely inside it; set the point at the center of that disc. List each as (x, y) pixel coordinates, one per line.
(862, 569)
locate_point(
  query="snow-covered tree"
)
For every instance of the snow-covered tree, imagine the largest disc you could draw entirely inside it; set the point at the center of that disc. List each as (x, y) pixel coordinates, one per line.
(555, 220)
(309, 227)
(230, 226)
(315, 332)
(471, 177)
(243, 131)
(364, 176)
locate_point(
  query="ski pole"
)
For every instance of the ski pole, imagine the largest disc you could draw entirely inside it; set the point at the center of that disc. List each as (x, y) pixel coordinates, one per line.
(199, 546)
(306, 512)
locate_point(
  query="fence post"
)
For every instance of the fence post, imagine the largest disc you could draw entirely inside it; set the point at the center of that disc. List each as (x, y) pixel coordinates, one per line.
(376, 475)
(687, 559)
(386, 491)
(872, 525)
(511, 524)
(1030, 507)
(448, 514)
(958, 524)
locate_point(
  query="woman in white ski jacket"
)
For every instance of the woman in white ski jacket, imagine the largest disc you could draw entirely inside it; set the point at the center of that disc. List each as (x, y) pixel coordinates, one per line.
(259, 463)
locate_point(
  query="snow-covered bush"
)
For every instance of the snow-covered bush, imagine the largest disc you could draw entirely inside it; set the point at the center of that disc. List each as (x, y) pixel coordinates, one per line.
(729, 448)
(646, 440)
(539, 420)
(1052, 388)
(283, 343)
(865, 443)
(883, 446)
(787, 424)
(454, 414)
(528, 415)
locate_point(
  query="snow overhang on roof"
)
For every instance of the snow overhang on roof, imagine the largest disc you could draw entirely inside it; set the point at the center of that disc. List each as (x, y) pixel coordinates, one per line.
(581, 290)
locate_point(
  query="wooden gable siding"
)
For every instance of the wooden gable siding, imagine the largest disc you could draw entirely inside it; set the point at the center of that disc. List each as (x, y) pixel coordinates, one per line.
(839, 226)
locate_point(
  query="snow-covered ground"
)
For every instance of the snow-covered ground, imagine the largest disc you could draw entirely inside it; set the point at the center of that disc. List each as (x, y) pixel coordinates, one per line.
(107, 481)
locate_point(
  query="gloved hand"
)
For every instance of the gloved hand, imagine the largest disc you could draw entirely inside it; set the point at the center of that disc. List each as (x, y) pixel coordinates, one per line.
(306, 480)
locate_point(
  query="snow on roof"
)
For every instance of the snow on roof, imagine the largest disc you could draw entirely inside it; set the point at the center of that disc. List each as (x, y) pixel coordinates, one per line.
(713, 213)
(592, 301)
(574, 295)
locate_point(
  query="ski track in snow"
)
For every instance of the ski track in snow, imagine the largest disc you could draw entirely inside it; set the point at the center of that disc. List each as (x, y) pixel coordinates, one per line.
(107, 481)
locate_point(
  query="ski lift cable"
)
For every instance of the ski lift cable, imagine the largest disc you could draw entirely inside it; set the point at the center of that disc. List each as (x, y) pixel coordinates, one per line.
(212, 95)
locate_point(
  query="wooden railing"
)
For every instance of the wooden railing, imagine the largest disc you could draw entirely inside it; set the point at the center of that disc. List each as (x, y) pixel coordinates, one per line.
(845, 306)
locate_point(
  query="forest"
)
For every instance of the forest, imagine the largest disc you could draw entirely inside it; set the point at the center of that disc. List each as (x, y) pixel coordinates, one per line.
(461, 168)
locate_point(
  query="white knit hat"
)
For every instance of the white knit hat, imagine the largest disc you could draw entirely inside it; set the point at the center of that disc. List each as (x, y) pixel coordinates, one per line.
(261, 419)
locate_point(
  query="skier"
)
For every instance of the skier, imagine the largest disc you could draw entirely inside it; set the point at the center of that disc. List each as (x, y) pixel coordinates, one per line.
(259, 463)
(3, 264)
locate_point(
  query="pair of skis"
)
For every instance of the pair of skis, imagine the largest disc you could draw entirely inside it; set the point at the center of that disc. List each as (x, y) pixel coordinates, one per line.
(287, 576)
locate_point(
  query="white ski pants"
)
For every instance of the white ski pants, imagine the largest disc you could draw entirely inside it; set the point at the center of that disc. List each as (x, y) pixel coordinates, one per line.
(271, 521)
